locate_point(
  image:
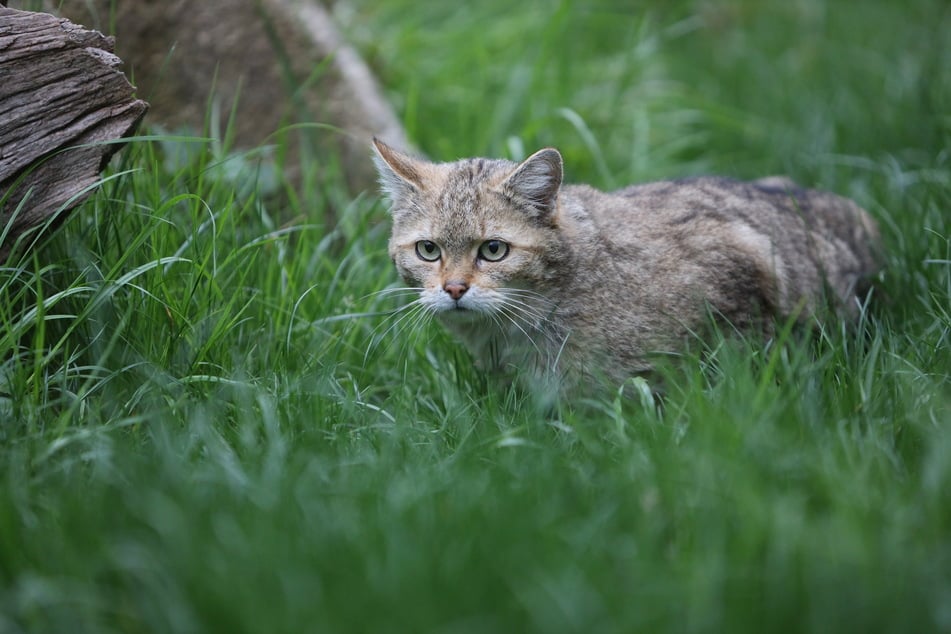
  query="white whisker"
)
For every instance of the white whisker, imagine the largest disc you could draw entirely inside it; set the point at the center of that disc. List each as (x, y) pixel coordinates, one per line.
(511, 314)
(393, 323)
(396, 320)
(528, 310)
(423, 319)
(518, 323)
(395, 289)
(527, 294)
(493, 315)
(392, 292)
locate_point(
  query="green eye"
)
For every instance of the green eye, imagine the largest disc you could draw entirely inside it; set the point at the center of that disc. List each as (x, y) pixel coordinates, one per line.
(493, 250)
(427, 250)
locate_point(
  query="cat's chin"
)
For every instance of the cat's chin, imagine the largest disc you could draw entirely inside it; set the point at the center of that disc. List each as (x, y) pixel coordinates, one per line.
(463, 314)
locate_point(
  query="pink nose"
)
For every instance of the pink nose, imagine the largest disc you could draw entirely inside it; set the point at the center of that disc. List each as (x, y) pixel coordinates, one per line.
(455, 289)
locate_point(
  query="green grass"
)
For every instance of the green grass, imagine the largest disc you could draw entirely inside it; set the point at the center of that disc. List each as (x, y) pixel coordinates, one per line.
(200, 433)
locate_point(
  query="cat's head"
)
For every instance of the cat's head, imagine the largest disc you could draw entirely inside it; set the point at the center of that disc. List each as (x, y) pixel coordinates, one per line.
(473, 233)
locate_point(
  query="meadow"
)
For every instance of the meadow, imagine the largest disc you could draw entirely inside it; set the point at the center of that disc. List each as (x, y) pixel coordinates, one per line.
(210, 422)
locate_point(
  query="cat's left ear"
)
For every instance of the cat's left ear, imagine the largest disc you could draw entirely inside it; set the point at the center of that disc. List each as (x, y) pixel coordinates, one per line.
(536, 180)
(400, 174)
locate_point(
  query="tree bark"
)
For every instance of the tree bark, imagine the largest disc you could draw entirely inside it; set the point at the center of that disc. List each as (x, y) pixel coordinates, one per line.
(62, 104)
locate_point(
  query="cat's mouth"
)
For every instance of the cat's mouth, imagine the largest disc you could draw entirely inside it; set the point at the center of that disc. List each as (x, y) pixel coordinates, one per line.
(456, 307)
(467, 305)
(460, 309)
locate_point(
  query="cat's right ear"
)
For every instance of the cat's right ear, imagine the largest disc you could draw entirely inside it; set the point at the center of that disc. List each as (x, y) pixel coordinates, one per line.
(399, 174)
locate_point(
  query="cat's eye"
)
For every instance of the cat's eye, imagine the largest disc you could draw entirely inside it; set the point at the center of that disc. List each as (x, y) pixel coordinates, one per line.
(493, 250)
(427, 250)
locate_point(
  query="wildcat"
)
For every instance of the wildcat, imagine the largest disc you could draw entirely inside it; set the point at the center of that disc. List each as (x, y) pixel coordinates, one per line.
(563, 281)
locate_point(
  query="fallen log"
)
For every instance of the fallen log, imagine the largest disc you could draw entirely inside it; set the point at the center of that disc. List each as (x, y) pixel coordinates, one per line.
(63, 103)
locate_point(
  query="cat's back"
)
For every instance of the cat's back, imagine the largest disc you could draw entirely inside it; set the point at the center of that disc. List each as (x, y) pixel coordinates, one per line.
(725, 238)
(682, 216)
(771, 203)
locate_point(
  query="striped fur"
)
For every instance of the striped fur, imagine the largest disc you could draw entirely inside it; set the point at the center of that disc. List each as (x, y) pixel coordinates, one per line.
(597, 282)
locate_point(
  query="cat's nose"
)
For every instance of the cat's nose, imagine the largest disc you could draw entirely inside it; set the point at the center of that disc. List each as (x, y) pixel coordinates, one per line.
(455, 289)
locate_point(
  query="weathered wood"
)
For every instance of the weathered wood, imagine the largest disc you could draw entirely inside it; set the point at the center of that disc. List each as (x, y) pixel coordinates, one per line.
(62, 100)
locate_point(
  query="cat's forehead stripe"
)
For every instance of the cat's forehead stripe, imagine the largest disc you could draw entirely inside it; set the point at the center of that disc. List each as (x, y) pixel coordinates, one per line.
(460, 191)
(466, 175)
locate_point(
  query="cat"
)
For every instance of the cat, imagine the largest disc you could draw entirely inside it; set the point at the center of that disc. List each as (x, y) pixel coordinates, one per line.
(560, 282)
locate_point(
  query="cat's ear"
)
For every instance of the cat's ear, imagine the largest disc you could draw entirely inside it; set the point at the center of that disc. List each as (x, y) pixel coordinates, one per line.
(536, 180)
(400, 174)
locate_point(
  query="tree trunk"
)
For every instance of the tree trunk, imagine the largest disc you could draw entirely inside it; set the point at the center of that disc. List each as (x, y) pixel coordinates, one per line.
(62, 101)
